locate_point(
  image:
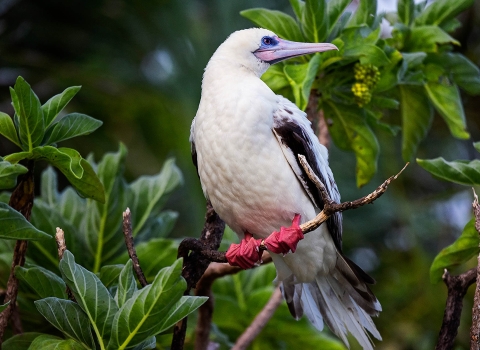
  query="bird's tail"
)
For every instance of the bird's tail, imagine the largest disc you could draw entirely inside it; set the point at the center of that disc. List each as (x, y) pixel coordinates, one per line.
(342, 300)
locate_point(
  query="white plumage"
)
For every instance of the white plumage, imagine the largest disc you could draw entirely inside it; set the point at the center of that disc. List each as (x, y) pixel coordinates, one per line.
(245, 141)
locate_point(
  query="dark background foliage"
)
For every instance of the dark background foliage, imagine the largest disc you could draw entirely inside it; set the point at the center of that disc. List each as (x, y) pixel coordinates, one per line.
(140, 64)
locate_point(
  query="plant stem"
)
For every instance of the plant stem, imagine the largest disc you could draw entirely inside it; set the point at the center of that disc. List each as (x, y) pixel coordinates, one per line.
(22, 201)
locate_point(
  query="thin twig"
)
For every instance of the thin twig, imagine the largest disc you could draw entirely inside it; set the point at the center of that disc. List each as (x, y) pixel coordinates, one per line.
(260, 321)
(204, 288)
(475, 329)
(127, 232)
(61, 247)
(22, 201)
(457, 287)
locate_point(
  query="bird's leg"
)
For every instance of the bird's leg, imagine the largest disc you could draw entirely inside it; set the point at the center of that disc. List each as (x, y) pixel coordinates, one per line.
(246, 254)
(286, 240)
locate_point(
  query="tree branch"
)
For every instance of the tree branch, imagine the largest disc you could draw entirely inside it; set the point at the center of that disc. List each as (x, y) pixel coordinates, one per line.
(317, 118)
(127, 232)
(260, 321)
(22, 201)
(475, 329)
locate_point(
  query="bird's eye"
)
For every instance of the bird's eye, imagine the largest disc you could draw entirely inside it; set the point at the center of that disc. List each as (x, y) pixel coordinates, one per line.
(267, 40)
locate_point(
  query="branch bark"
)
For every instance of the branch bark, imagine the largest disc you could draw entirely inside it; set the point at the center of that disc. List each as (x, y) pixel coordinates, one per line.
(127, 232)
(475, 329)
(317, 118)
(260, 321)
(22, 201)
(61, 247)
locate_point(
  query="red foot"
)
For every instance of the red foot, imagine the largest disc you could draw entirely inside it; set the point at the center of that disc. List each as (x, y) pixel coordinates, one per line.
(287, 239)
(246, 254)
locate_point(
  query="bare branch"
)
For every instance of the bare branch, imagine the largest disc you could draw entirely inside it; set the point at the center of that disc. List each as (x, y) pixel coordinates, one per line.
(457, 288)
(260, 321)
(61, 247)
(127, 232)
(475, 329)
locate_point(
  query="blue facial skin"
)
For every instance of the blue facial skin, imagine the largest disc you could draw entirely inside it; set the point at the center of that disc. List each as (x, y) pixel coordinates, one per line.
(268, 42)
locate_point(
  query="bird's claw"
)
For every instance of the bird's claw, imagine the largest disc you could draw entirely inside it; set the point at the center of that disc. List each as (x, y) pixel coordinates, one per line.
(246, 254)
(286, 239)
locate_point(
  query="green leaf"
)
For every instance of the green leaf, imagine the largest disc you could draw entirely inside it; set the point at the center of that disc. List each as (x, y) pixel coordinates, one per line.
(103, 221)
(417, 116)
(446, 100)
(406, 10)
(427, 39)
(350, 132)
(68, 317)
(42, 281)
(477, 146)
(159, 226)
(460, 172)
(20, 341)
(411, 65)
(464, 248)
(72, 125)
(278, 22)
(31, 126)
(49, 184)
(368, 54)
(298, 7)
(151, 192)
(92, 296)
(440, 11)
(50, 342)
(109, 274)
(9, 173)
(275, 78)
(152, 309)
(57, 103)
(335, 9)
(7, 128)
(462, 71)
(14, 158)
(126, 284)
(77, 170)
(365, 14)
(13, 225)
(315, 20)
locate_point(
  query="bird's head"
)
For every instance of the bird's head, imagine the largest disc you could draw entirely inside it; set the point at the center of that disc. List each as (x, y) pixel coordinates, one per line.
(257, 49)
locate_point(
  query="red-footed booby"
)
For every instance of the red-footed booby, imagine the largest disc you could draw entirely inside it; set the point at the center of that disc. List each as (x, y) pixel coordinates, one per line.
(245, 141)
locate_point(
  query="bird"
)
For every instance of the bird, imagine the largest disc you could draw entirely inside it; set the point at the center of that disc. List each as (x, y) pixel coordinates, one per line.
(245, 142)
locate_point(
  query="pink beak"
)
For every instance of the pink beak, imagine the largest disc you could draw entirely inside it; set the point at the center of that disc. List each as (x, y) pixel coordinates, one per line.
(287, 49)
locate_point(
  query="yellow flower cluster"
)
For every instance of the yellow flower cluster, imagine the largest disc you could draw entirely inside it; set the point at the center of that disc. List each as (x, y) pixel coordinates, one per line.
(366, 76)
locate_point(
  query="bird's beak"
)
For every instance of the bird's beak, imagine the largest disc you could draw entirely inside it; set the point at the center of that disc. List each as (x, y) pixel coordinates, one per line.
(287, 49)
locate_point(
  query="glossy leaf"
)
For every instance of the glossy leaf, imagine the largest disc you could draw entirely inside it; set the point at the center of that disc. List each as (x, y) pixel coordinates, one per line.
(92, 296)
(406, 11)
(300, 78)
(158, 226)
(446, 100)
(151, 192)
(126, 284)
(57, 103)
(103, 221)
(462, 71)
(49, 184)
(13, 225)
(417, 116)
(109, 274)
(50, 342)
(68, 317)
(298, 7)
(427, 39)
(42, 281)
(20, 341)
(365, 13)
(440, 11)
(368, 54)
(153, 309)
(350, 132)
(460, 172)
(411, 66)
(77, 170)
(275, 78)
(315, 20)
(9, 173)
(464, 248)
(7, 128)
(72, 125)
(335, 8)
(31, 126)
(278, 22)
